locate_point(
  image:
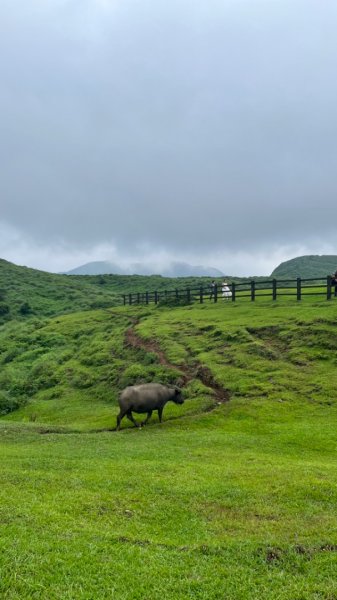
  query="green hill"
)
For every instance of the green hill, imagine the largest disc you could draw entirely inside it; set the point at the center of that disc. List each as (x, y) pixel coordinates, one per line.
(25, 291)
(29, 292)
(306, 266)
(233, 496)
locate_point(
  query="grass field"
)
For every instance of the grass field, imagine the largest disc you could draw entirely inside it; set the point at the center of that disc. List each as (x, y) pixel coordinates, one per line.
(237, 502)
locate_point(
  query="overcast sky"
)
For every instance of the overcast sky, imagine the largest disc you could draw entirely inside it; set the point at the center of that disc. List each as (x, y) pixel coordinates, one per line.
(193, 130)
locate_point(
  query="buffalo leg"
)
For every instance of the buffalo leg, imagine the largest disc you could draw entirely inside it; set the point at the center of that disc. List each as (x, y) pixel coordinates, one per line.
(160, 413)
(148, 417)
(130, 417)
(119, 418)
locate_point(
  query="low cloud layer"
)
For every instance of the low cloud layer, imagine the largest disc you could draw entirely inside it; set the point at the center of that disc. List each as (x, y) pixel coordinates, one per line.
(185, 130)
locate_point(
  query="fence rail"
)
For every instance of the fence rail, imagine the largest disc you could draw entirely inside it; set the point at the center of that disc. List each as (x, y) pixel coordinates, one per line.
(298, 287)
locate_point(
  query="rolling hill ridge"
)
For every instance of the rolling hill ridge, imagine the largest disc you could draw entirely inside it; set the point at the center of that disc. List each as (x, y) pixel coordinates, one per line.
(306, 266)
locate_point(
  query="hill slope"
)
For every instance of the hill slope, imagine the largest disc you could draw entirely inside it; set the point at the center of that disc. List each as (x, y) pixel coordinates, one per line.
(84, 359)
(306, 266)
(231, 500)
(26, 292)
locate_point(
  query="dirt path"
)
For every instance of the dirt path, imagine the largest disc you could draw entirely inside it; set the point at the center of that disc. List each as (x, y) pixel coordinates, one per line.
(199, 371)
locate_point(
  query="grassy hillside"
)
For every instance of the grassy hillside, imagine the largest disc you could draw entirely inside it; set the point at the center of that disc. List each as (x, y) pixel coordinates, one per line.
(49, 367)
(306, 266)
(68, 370)
(226, 499)
(27, 292)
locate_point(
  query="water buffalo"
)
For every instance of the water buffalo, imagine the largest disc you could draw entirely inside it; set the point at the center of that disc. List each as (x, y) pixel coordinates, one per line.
(145, 398)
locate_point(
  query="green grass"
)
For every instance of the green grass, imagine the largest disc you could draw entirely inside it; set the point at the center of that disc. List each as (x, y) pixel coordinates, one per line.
(217, 506)
(235, 503)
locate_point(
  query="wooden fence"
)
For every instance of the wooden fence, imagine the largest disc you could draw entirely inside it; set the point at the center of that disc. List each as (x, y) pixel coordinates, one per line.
(274, 288)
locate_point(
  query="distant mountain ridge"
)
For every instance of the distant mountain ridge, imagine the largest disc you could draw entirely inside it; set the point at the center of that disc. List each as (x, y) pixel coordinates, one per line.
(174, 269)
(314, 265)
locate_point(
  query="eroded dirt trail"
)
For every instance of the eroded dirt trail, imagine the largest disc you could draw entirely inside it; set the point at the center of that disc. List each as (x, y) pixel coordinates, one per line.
(198, 371)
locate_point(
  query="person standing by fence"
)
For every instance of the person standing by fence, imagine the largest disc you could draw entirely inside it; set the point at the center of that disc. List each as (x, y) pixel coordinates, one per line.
(334, 281)
(213, 284)
(226, 293)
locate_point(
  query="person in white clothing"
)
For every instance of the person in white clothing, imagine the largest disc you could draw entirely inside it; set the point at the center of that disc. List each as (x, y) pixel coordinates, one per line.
(226, 292)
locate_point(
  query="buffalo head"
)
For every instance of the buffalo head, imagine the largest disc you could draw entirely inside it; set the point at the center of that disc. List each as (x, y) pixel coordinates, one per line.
(178, 398)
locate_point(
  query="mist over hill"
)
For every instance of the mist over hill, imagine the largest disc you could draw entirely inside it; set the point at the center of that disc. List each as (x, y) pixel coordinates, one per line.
(300, 266)
(173, 269)
(307, 266)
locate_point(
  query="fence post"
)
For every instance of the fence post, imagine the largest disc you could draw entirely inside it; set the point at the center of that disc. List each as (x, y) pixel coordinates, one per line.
(274, 289)
(328, 287)
(147, 297)
(138, 298)
(124, 299)
(130, 299)
(188, 294)
(156, 297)
(252, 291)
(177, 294)
(233, 291)
(201, 294)
(216, 292)
(298, 287)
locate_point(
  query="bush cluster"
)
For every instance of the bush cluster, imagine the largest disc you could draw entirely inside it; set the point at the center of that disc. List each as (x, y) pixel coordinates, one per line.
(173, 302)
(8, 403)
(140, 373)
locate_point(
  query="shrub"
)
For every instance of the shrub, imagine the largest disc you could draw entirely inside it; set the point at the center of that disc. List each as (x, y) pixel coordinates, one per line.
(173, 302)
(150, 358)
(196, 388)
(4, 309)
(44, 373)
(138, 373)
(104, 303)
(11, 354)
(95, 355)
(25, 309)
(82, 379)
(65, 356)
(7, 403)
(14, 381)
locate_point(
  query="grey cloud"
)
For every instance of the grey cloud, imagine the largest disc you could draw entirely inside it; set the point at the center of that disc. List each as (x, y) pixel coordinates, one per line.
(181, 125)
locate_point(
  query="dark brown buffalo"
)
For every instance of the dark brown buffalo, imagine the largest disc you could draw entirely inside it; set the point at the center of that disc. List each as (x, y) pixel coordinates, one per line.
(145, 398)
